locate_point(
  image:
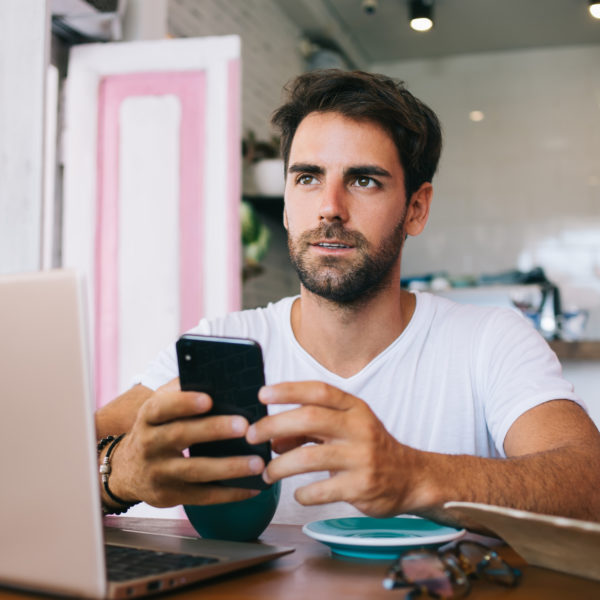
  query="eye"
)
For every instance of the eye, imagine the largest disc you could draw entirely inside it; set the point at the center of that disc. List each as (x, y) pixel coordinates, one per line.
(307, 180)
(365, 182)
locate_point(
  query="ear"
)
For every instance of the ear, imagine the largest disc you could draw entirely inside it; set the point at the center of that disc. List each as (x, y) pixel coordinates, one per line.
(417, 213)
(285, 219)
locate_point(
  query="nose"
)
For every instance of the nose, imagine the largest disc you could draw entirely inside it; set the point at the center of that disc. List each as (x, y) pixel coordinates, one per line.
(333, 205)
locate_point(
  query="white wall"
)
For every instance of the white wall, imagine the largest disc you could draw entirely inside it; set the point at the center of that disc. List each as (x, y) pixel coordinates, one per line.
(521, 187)
(24, 50)
(585, 377)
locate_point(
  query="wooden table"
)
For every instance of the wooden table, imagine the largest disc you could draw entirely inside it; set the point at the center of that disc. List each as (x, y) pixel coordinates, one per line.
(311, 573)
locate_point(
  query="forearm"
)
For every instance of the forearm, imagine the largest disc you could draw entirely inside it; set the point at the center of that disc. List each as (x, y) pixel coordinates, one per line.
(119, 415)
(543, 482)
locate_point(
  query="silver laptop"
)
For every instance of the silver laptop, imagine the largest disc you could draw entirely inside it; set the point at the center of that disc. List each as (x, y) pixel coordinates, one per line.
(51, 533)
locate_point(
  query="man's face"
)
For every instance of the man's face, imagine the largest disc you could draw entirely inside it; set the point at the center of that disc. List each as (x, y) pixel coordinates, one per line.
(344, 207)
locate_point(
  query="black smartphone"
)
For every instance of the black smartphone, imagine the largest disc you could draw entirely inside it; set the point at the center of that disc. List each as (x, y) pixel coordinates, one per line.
(230, 370)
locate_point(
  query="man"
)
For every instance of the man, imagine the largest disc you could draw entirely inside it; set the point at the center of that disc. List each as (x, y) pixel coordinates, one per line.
(380, 401)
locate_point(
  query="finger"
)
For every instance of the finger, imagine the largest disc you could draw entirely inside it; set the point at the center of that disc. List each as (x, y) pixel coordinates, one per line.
(324, 491)
(183, 433)
(215, 494)
(282, 445)
(307, 459)
(198, 494)
(168, 404)
(303, 422)
(307, 392)
(173, 385)
(200, 469)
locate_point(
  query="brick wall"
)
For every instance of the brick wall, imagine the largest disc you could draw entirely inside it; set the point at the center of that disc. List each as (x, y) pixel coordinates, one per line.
(270, 54)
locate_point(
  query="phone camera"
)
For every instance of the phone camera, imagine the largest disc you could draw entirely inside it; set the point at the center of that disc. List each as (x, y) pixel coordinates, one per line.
(187, 357)
(369, 6)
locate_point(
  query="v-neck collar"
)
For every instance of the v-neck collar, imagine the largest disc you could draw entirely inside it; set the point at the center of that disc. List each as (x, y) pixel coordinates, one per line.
(403, 339)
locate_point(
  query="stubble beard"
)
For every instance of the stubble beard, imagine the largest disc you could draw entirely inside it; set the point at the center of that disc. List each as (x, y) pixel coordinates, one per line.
(340, 280)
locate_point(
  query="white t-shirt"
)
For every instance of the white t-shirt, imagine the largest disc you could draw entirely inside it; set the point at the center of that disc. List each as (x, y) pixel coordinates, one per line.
(454, 381)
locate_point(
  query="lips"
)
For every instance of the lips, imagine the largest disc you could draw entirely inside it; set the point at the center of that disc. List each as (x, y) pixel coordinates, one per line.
(332, 238)
(333, 245)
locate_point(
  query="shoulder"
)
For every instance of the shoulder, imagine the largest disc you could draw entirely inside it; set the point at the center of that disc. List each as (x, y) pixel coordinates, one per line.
(482, 333)
(448, 315)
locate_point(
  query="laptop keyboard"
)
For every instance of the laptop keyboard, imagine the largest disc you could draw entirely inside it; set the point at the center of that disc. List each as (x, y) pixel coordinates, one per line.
(123, 564)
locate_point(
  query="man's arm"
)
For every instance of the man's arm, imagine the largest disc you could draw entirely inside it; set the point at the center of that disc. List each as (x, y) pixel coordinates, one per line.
(119, 415)
(553, 450)
(149, 465)
(552, 466)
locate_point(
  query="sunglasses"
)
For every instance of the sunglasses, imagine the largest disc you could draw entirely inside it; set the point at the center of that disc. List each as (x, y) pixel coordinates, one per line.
(447, 574)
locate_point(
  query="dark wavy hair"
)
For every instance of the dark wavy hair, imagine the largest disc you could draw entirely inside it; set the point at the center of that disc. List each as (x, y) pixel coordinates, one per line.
(413, 126)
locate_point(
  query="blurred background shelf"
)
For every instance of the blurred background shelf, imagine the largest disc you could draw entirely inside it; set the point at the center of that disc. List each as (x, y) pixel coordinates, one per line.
(583, 350)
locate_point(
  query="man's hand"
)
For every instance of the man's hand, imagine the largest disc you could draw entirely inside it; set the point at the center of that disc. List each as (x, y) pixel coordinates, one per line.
(554, 446)
(149, 464)
(368, 467)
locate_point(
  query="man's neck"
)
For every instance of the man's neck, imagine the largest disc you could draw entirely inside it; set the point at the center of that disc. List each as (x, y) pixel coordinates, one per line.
(345, 339)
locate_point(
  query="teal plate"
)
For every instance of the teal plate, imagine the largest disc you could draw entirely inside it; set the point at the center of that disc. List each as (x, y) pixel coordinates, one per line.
(379, 539)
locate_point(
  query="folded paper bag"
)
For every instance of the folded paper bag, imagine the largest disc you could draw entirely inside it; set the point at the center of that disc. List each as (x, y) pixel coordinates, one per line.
(559, 543)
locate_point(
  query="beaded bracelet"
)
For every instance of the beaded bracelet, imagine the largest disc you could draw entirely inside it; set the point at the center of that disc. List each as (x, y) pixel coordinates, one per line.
(103, 442)
(105, 470)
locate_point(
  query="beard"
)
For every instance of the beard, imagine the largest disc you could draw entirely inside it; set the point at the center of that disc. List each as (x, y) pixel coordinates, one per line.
(341, 280)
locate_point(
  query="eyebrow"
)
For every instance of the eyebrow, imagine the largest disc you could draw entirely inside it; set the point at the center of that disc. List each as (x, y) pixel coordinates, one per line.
(367, 170)
(306, 168)
(352, 171)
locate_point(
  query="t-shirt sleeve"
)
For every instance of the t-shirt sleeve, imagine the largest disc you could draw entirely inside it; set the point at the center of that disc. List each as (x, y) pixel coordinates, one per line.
(517, 371)
(164, 367)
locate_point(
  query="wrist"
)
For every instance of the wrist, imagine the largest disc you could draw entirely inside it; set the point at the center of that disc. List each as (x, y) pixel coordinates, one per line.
(113, 499)
(423, 492)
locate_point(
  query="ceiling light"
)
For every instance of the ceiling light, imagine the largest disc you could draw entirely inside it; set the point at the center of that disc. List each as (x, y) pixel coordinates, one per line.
(421, 14)
(594, 9)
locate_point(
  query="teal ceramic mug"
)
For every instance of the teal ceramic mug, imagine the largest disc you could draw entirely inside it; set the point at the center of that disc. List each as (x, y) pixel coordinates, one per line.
(240, 521)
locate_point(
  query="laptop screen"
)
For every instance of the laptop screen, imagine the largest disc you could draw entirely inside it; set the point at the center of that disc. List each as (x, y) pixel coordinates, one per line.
(50, 514)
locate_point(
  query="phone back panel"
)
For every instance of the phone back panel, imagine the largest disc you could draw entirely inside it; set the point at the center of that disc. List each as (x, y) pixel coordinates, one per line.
(230, 370)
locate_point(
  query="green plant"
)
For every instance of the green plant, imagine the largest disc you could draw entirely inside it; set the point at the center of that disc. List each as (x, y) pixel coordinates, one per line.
(255, 240)
(254, 150)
